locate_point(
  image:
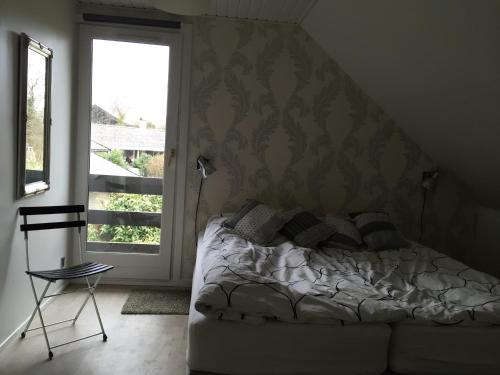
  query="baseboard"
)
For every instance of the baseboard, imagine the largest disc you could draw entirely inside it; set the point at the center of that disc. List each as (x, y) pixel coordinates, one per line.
(19, 329)
(185, 283)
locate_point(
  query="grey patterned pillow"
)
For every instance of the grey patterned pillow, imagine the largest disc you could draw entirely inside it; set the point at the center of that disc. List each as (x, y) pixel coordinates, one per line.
(306, 230)
(377, 230)
(255, 222)
(346, 237)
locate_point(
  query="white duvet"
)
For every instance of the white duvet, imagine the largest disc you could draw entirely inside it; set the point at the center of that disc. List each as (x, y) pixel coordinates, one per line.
(251, 283)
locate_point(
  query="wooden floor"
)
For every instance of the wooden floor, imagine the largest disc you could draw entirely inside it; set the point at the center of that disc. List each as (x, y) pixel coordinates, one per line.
(137, 344)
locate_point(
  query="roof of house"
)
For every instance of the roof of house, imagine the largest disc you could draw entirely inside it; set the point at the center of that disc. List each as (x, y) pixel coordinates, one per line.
(128, 137)
(101, 116)
(94, 146)
(99, 165)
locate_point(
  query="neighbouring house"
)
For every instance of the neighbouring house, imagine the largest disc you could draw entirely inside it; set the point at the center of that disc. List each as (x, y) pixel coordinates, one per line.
(132, 140)
(101, 166)
(108, 134)
(101, 116)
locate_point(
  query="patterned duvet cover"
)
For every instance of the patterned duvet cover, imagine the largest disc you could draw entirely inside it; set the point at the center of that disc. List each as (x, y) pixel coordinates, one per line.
(246, 282)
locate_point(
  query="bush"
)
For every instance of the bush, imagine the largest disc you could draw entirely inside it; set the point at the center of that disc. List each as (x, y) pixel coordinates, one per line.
(115, 156)
(134, 202)
(154, 167)
(141, 161)
(93, 232)
(128, 233)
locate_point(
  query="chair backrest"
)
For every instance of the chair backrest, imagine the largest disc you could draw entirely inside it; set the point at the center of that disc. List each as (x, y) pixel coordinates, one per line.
(51, 210)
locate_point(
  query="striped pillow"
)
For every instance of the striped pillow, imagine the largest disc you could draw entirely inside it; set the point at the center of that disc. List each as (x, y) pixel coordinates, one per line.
(377, 230)
(306, 230)
(255, 222)
(347, 235)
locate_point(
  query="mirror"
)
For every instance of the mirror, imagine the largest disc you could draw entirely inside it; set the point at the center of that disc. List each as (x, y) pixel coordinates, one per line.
(35, 62)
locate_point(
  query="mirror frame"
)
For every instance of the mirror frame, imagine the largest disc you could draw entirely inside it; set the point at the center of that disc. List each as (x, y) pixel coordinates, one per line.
(27, 43)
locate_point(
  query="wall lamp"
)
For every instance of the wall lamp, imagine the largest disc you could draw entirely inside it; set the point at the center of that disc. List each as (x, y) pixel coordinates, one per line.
(206, 168)
(429, 183)
(429, 179)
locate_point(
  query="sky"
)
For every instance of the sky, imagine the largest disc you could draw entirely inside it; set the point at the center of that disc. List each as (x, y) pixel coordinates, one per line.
(132, 76)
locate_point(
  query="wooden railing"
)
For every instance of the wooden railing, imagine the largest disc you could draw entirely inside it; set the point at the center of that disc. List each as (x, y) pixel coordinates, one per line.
(148, 219)
(123, 247)
(124, 184)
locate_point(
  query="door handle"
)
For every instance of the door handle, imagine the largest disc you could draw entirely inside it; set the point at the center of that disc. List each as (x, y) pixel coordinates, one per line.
(172, 155)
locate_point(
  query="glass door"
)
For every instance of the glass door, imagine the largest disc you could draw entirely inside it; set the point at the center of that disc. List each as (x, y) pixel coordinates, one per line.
(132, 121)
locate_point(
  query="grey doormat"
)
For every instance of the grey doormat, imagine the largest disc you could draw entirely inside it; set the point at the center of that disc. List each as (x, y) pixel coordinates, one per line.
(155, 301)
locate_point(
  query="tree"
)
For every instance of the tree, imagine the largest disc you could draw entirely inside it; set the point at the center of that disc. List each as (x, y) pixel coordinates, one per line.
(34, 129)
(120, 113)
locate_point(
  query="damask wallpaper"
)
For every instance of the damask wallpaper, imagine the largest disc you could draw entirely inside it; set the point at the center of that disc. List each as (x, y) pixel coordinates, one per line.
(284, 124)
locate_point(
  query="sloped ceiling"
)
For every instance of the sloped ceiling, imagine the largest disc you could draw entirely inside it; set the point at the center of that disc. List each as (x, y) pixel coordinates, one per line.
(434, 66)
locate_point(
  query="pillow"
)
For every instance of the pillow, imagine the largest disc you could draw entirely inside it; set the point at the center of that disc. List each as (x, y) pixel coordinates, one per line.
(377, 230)
(255, 222)
(347, 235)
(306, 230)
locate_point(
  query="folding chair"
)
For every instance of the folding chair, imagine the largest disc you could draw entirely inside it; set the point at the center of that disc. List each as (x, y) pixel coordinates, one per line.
(83, 270)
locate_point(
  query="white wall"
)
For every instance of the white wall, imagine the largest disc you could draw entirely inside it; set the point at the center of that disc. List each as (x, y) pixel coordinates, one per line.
(52, 23)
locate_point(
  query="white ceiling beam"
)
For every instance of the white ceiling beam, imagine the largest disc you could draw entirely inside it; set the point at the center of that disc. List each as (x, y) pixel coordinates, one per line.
(288, 11)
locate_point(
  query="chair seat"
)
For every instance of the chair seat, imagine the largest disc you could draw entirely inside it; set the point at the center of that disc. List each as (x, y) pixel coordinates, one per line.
(75, 272)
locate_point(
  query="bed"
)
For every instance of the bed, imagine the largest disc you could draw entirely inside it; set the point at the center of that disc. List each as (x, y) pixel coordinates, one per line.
(328, 311)
(452, 350)
(230, 347)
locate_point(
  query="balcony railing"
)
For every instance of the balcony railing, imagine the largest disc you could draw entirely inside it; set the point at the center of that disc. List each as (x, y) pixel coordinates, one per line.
(124, 184)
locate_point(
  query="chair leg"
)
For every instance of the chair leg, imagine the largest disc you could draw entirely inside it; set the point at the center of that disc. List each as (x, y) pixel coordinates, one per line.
(38, 302)
(23, 333)
(91, 293)
(35, 310)
(81, 308)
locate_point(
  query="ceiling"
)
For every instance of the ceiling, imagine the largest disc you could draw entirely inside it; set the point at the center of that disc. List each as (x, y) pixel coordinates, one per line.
(140, 4)
(434, 66)
(288, 11)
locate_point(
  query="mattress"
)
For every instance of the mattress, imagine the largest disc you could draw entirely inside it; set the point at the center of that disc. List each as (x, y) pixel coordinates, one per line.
(444, 350)
(229, 347)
